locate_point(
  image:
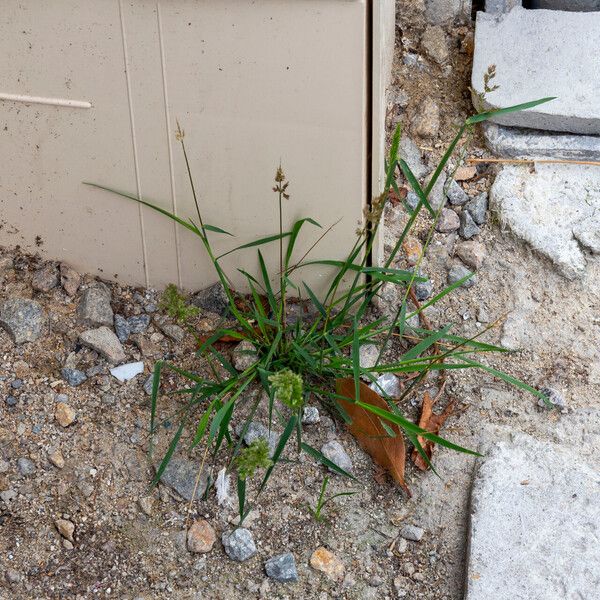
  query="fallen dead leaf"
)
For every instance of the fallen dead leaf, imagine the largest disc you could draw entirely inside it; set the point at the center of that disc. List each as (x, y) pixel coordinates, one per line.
(432, 423)
(387, 451)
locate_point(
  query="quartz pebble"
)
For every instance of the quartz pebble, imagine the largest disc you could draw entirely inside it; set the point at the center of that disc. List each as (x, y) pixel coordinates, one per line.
(66, 528)
(239, 544)
(335, 452)
(328, 563)
(127, 371)
(64, 414)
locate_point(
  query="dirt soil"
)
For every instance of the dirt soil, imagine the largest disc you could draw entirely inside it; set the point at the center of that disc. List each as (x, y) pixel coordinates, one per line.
(130, 541)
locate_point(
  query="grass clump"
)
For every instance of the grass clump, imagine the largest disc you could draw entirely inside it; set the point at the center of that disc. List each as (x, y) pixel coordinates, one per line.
(305, 356)
(175, 304)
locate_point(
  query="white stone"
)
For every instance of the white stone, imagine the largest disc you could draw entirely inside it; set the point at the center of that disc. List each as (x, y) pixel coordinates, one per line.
(127, 371)
(551, 209)
(535, 517)
(536, 57)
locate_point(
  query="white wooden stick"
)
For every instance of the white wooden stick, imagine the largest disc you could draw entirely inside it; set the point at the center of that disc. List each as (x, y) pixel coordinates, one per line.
(41, 100)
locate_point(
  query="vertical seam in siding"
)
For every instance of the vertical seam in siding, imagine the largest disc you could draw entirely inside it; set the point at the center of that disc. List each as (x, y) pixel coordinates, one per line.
(134, 144)
(169, 133)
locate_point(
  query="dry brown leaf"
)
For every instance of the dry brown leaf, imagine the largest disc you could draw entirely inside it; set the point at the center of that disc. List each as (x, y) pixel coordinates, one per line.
(387, 451)
(432, 423)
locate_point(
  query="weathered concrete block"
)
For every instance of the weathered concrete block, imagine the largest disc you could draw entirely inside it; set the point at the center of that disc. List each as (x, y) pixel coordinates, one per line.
(540, 53)
(535, 517)
(571, 5)
(515, 142)
(552, 210)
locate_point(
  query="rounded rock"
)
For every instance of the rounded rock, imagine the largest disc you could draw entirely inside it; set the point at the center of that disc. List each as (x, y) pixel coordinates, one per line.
(201, 537)
(239, 544)
(64, 414)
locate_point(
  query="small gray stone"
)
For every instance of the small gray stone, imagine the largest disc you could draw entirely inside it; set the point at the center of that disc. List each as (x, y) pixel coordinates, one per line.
(554, 397)
(426, 122)
(282, 568)
(423, 289)
(138, 323)
(73, 377)
(457, 272)
(477, 208)
(437, 195)
(94, 307)
(448, 221)
(171, 330)
(257, 431)
(105, 342)
(25, 466)
(70, 279)
(212, 299)
(411, 154)
(181, 475)
(456, 195)
(11, 401)
(387, 383)
(7, 496)
(468, 227)
(412, 200)
(310, 415)
(435, 44)
(244, 355)
(23, 319)
(16, 384)
(148, 385)
(239, 544)
(122, 328)
(335, 452)
(12, 576)
(412, 532)
(368, 355)
(45, 279)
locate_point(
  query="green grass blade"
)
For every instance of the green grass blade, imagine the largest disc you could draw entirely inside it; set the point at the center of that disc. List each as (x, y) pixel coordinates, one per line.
(484, 116)
(325, 461)
(291, 424)
(259, 242)
(414, 184)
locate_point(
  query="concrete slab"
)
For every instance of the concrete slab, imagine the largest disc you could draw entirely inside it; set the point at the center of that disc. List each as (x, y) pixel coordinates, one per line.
(516, 142)
(534, 525)
(553, 208)
(541, 53)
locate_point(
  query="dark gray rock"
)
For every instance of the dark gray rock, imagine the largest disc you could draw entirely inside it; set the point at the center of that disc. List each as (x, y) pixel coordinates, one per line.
(122, 328)
(457, 272)
(468, 227)
(181, 475)
(25, 467)
(94, 307)
(23, 319)
(138, 323)
(423, 289)
(73, 377)
(456, 195)
(335, 452)
(16, 384)
(11, 401)
(239, 544)
(212, 299)
(477, 208)
(282, 568)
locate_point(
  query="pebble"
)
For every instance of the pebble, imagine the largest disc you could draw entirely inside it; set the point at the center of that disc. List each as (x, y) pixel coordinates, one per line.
(94, 307)
(423, 289)
(282, 568)
(171, 330)
(555, 398)
(66, 528)
(468, 227)
(64, 414)
(56, 458)
(435, 44)
(239, 544)
(388, 383)
(477, 208)
(412, 532)
(25, 467)
(335, 452)
(376, 581)
(412, 199)
(472, 253)
(122, 328)
(73, 377)
(11, 401)
(7, 496)
(181, 475)
(244, 355)
(456, 195)
(368, 355)
(413, 249)
(148, 385)
(201, 537)
(146, 504)
(212, 299)
(457, 272)
(45, 279)
(138, 323)
(257, 431)
(12, 576)
(411, 154)
(310, 415)
(16, 384)
(105, 342)
(448, 221)
(426, 122)
(328, 563)
(70, 279)
(437, 195)
(23, 319)
(127, 371)
(465, 173)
